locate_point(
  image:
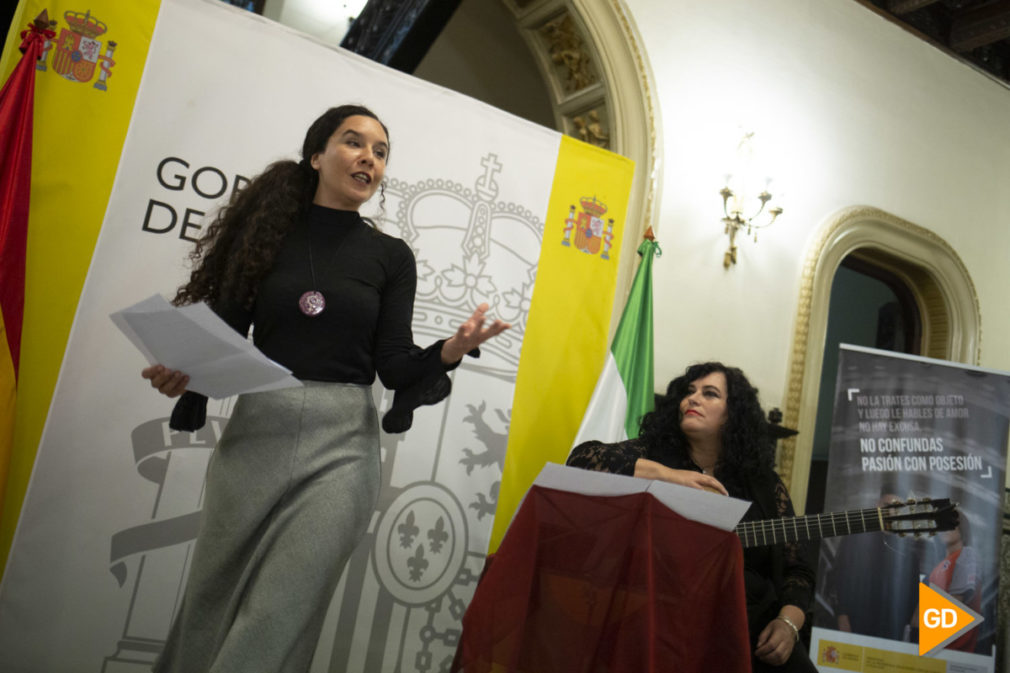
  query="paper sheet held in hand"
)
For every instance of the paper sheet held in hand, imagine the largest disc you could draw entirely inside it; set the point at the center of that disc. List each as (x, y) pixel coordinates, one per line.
(194, 340)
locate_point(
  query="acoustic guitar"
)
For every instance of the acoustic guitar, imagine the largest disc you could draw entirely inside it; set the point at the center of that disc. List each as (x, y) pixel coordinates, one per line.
(917, 517)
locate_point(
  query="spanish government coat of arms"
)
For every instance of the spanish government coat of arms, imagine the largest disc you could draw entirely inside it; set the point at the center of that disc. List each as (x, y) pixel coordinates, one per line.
(590, 232)
(78, 54)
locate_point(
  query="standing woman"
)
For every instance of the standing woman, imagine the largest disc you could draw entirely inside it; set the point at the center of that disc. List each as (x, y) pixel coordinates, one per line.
(295, 477)
(709, 432)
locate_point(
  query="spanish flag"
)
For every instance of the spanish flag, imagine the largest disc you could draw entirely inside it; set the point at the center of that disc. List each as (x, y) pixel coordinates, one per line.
(70, 168)
(565, 345)
(17, 98)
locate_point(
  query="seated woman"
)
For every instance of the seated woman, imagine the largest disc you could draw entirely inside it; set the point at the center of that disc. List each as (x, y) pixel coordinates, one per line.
(709, 432)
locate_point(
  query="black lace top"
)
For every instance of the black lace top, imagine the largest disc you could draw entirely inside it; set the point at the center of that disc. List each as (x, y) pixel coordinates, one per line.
(774, 575)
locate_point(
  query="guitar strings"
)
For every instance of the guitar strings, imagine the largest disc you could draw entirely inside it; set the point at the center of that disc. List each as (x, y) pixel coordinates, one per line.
(865, 520)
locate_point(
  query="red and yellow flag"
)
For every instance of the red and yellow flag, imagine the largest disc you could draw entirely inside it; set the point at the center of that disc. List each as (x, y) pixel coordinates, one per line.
(566, 336)
(86, 80)
(17, 98)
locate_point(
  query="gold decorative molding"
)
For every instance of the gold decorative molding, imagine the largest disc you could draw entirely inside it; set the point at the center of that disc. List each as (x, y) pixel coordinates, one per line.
(590, 128)
(935, 273)
(568, 52)
(644, 83)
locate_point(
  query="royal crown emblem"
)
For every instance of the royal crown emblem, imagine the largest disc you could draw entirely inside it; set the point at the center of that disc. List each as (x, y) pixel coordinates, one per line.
(459, 234)
(78, 51)
(591, 234)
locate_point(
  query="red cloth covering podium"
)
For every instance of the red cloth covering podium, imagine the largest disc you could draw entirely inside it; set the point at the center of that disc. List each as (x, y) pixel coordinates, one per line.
(615, 584)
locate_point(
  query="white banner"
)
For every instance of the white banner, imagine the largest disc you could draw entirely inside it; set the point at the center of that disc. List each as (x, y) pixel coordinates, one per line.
(100, 556)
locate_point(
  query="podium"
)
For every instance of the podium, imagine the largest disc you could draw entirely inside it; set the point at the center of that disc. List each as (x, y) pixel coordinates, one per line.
(587, 583)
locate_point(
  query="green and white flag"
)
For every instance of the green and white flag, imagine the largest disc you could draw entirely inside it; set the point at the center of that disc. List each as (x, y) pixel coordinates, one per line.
(624, 392)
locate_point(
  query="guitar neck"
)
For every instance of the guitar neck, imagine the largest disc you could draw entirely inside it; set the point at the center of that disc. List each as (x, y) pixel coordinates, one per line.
(805, 528)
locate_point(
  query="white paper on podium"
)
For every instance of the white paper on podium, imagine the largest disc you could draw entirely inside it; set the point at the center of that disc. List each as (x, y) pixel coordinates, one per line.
(712, 509)
(193, 339)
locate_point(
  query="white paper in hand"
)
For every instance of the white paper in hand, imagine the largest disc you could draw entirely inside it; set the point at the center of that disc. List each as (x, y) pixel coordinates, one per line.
(194, 340)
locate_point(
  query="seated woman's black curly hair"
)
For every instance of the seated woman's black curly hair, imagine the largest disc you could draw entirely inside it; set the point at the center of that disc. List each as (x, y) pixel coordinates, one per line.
(746, 445)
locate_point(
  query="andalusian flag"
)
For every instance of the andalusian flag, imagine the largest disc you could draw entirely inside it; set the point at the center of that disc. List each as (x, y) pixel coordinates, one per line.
(624, 393)
(565, 344)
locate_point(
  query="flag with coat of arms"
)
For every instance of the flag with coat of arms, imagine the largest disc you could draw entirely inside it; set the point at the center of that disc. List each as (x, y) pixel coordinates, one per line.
(624, 392)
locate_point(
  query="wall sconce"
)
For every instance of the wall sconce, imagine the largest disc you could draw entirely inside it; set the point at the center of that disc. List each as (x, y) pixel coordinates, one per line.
(734, 220)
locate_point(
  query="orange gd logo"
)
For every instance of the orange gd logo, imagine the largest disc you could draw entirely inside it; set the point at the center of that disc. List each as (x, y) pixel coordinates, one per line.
(942, 619)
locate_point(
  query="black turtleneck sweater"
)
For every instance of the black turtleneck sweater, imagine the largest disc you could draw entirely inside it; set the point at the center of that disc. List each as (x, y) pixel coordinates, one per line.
(368, 280)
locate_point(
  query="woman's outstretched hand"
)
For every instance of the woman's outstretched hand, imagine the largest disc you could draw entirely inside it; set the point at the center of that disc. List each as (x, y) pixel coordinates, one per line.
(167, 381)
(471, 334)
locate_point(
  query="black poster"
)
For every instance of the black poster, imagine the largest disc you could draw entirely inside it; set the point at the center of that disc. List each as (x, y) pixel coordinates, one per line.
(904, 428)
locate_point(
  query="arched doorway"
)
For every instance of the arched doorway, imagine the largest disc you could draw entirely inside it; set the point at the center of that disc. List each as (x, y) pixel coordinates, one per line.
(873, 306)
(941, 288)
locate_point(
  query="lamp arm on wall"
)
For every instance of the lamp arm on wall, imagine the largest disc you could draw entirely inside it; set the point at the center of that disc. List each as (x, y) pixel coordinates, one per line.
(734, 221)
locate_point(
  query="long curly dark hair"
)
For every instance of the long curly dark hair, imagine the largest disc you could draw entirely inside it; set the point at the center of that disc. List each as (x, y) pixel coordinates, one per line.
(746, 445)
(240, 245)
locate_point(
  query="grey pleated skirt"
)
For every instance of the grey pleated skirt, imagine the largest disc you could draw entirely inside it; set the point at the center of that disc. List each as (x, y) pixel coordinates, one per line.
(290, 490)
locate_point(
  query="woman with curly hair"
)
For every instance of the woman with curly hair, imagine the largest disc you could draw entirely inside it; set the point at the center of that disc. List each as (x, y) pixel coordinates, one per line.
(294, 480)
(709, 432)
